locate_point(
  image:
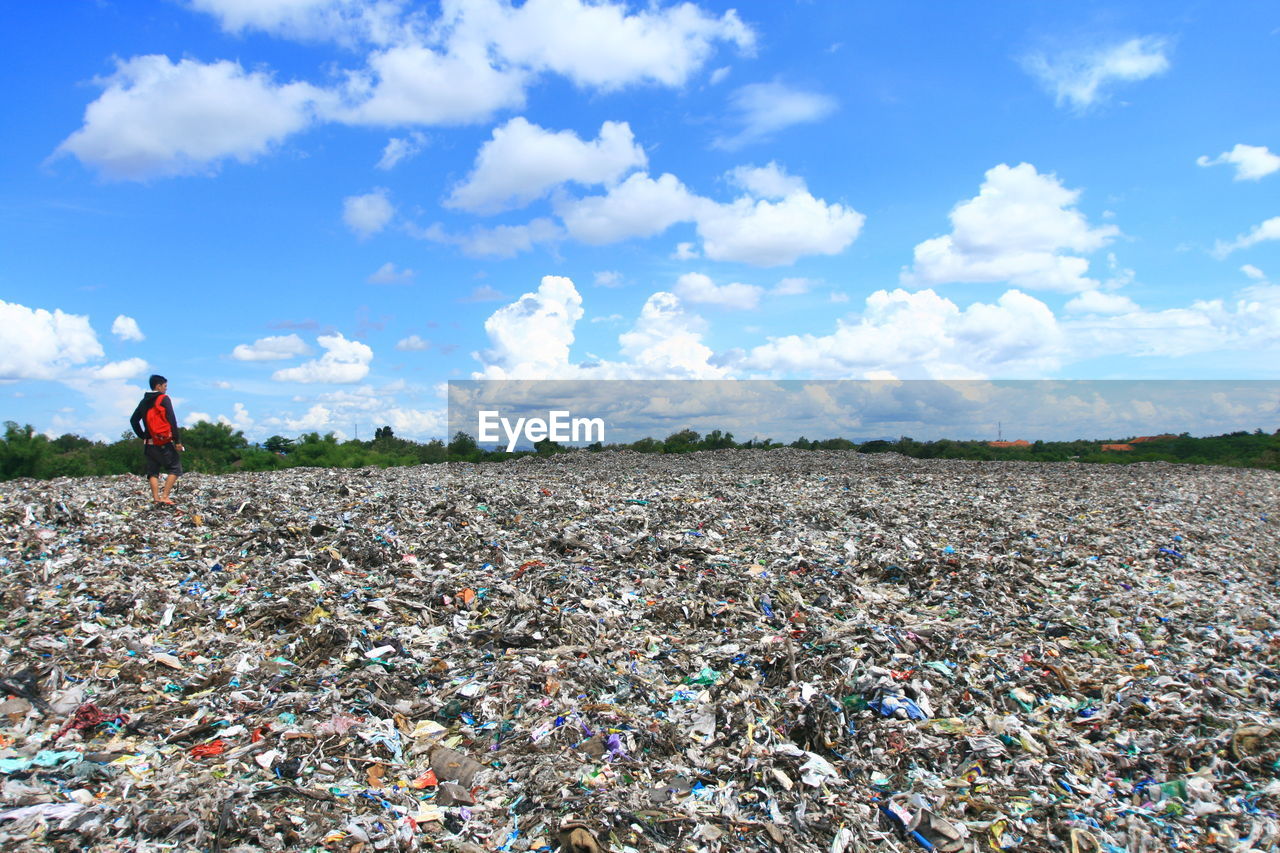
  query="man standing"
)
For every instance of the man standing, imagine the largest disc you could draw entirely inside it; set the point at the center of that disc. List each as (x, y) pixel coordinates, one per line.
(157, 426)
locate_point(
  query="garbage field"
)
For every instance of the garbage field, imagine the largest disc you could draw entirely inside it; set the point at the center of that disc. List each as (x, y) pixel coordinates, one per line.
(739, 650)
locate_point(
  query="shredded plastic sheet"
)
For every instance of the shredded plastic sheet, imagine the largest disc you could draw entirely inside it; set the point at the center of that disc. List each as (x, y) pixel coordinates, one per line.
(786, 651)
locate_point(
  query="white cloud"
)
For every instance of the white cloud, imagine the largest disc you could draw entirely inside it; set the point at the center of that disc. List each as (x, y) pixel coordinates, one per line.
(1016, 229)
(399, 149)
(1097, 302)
(762, 109)
(344, 21)
(316, 418)
(223, 384)
(685, 252)
(769, 181)
(126, 329)
(416, 422)
(1081, 77)
(638, 207)
(343, 361)
(501, 241)
(924, 334)
(697, 288)
(484, 293)
(759, 232)
(1253, 272)
(1252, 162)
(126, 369)
(770, 234)
(522, 162)
(530, 338)
(838, 296)
(608, 278)
(1268, 230)
(275, 348)
(413, 343)
(388, 274)
(603, 46)
(39, 344)
(156, 117)
(415, 84)
(666, 342)
(718, 76)
(367, 214)
(792, 287)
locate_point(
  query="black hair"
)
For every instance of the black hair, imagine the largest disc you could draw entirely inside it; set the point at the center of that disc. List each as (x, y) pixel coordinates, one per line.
(157, 380)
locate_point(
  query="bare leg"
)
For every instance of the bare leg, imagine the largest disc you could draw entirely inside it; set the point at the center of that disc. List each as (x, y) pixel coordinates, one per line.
(155, 487)
(168, 485)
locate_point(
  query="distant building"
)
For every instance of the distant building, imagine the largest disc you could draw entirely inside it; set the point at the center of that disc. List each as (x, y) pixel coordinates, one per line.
(1015, 443)
(1117, 447)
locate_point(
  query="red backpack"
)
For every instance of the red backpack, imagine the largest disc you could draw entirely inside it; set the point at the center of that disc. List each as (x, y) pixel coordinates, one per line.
(158, 429)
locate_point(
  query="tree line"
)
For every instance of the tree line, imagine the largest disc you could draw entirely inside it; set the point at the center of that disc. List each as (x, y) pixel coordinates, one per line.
(218, 448)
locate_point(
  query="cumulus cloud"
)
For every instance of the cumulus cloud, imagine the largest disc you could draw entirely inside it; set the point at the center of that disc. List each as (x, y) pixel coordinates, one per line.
(344, 21)
(388, 274)
(484, 293)
(638, 207)
(1017, 229)
(413, 343)
(126, 369)
(1097, 302)
(1252, 162)
(400, 148)
(1082, 78)
(768, 181)
(923, 334)
(530, 338)
(522, 162)
(367, 214)
(501, 241)
(343, 361)
(770, 234)
(275, 348)
(1262, 232)
(604, 45)
(316, 418)
(748, 230)
(792, 287)
(40, 344)
(697, 288)
(760, 110)
(156, 117)
(414, 83)
(665, 342)
(126, 329)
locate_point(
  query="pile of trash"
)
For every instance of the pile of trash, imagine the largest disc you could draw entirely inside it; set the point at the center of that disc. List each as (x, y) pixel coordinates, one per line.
(739, 650)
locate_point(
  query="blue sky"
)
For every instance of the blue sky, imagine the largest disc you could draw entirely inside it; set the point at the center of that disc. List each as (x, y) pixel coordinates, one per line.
(310, 214)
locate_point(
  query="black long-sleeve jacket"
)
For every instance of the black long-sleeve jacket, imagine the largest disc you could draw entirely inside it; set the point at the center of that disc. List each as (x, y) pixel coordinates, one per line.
(139, 419)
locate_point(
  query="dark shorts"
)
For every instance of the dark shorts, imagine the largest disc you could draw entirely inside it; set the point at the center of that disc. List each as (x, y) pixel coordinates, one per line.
(163, 458)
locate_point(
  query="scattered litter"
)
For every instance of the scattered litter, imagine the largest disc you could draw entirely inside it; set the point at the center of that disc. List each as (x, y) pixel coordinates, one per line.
(743, 650)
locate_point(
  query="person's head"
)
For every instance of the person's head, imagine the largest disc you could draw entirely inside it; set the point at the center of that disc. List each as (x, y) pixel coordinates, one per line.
(158, 382)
